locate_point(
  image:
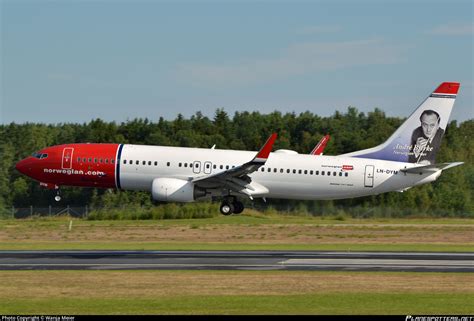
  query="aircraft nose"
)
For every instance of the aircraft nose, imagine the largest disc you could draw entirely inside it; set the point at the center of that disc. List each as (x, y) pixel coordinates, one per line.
(21, 166)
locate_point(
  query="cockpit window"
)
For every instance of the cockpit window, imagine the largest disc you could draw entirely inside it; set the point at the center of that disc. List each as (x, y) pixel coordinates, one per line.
(40, 155)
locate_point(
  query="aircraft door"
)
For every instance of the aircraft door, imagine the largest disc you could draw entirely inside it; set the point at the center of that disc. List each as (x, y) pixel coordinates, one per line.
(196, 167)
(369, 176)
(66, 162)
(207, 167)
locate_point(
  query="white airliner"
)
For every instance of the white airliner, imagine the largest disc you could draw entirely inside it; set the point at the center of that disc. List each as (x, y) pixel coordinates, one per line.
(178, 174)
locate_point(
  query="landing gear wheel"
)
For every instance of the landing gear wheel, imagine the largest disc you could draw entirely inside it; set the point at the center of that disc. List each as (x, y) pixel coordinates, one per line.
(238, 207)
(227, 208)
(57, 198)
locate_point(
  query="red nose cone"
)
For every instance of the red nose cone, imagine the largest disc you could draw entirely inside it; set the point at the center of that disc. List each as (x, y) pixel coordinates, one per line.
(21, 166)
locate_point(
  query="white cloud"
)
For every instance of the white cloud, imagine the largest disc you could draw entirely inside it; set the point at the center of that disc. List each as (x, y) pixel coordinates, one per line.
(295, 60)
(460, 29)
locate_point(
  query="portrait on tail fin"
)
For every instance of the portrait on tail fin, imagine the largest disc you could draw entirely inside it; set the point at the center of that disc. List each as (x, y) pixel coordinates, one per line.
(426, 139)
(418, 139)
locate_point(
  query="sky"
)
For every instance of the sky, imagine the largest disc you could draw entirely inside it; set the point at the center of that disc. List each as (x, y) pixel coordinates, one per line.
(74, 61)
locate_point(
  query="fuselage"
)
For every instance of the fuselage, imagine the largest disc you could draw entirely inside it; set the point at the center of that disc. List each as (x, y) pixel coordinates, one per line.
(284, 175)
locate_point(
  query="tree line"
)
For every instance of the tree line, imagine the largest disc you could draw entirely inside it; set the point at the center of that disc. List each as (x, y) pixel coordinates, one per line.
(451, 195)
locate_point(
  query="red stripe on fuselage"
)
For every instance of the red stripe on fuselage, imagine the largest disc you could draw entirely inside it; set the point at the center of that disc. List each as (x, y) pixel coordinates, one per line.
(90, 165)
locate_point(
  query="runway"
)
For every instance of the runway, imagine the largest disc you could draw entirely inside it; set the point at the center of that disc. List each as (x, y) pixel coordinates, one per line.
(237, 260)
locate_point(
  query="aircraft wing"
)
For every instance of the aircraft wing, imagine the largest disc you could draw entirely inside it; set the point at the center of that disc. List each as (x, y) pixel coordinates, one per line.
(319, 148)
(430, 168)
(237, 179)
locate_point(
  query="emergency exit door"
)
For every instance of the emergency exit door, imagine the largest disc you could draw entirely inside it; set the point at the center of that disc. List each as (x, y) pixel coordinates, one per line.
(369, 176)
(67, 158)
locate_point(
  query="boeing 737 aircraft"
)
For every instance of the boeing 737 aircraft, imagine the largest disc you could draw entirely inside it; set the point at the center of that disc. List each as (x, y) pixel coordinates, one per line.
(178, 174)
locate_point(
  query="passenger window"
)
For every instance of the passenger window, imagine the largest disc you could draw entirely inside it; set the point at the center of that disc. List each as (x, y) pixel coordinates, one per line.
(185, 164)
(346, 174)
(262, 169)
(269, 170)
(130, 162)
(322, 173)
(168, 164)
(274, 170)
(113, 161)
(214, 166)
(288, 170)
(149, 163)
(222, 166)
(226, 166)
(180, 164)
(100, 160)
(137, 162)
(208, 166)
(281, 170)
(143, 162)
(107, 161)
(305, 171)
(84, 159)
(90, 160)
(156, 163)
(340, 173)
(78, 159)
(310, 172)
(294, 171)
(95, 160)
(125, 161)
(317, 172)
(334, 173)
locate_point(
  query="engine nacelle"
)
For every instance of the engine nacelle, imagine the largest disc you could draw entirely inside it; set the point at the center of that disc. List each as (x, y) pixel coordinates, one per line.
(175, 190)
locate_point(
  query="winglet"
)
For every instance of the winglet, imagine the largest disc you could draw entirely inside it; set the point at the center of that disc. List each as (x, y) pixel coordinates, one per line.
(265, 150)
(319, 148)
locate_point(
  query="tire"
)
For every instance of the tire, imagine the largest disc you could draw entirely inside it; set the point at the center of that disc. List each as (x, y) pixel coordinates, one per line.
(238, 207)
(226, 208)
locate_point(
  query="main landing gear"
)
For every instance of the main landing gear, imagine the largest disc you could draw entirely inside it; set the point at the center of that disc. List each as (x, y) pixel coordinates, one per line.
(231, 205)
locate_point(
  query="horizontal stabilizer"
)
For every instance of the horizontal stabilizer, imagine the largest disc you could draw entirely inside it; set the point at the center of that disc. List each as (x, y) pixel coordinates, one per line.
(430, 168)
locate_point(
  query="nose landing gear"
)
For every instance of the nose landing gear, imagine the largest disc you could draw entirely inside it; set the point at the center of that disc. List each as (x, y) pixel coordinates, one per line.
(231, 205)
(57, 198)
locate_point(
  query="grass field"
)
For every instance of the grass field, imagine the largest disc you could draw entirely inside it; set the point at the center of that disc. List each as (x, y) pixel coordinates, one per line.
(237, 292)
(234, 292)
(241, 233)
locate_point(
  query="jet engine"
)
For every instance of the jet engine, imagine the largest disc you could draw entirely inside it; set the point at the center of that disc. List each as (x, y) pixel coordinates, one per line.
(175, 190)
